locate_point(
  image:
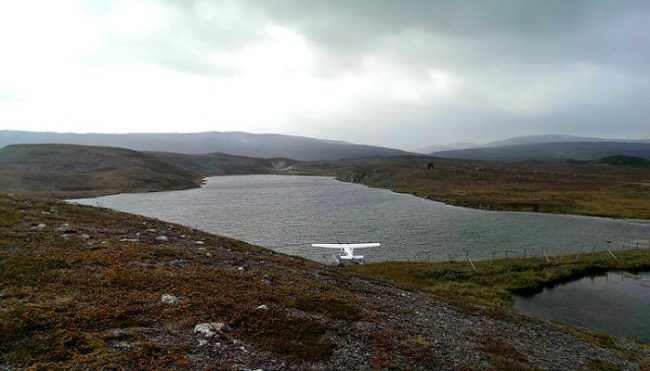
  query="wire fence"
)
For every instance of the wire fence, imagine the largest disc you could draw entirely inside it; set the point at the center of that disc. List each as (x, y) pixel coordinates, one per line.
(574, 252)
(570, 253)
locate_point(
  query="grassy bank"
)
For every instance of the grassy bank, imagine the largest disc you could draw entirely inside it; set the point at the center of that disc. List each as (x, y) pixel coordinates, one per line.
(565, 188)
(492, 283)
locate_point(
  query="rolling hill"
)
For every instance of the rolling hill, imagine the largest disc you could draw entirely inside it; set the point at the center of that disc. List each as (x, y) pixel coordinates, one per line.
(555, 151)
(222, 164)
(549, 138)
(64, 170)
(70, 171)
(233, 143)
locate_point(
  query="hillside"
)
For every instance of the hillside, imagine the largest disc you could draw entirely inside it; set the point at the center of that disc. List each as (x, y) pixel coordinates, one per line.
(233, 143)
(584, 188)
(221, 164)
(555, 138)
(78, 171)
(90, 288)
(558, 151)
(626, 161)
(549, 138)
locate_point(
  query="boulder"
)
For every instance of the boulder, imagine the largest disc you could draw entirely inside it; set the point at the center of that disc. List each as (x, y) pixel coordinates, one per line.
(208, 329)
(169, 299)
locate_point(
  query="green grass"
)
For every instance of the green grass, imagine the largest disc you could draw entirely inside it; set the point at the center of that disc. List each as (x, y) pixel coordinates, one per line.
(492, 283)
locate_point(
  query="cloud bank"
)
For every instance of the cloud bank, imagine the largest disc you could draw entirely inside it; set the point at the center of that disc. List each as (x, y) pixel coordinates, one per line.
(402, 74)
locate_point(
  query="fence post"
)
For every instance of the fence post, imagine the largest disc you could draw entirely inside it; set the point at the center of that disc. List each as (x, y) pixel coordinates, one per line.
(612, 254)
(470, 261)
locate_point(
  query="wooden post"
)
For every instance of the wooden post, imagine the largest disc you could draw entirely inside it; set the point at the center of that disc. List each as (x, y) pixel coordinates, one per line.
(470, 262)
(546, 256)
(612, 254)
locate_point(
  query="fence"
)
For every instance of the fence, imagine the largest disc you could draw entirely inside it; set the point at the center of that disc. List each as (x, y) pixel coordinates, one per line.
(575, 253)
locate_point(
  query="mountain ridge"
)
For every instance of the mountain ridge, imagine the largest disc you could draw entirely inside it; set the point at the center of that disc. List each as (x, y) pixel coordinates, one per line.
(553, 152)
(233, 143)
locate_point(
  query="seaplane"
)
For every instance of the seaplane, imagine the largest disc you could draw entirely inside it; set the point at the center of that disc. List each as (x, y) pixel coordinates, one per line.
(346, 251)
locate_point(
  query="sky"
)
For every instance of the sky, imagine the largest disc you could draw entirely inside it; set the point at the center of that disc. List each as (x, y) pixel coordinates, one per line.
(403, 74)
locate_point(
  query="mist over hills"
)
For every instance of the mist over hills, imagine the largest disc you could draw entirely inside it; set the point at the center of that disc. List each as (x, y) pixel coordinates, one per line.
(233, 143)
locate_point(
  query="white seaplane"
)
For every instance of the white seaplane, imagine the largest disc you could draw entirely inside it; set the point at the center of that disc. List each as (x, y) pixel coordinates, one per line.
(347, 250)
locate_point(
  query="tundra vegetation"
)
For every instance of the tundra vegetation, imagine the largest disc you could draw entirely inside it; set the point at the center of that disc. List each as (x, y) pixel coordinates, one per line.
(617, 186)
(493, 282)
(85, 287)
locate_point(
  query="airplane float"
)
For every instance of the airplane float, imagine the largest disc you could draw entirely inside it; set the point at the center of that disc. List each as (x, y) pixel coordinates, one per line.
(347, 250)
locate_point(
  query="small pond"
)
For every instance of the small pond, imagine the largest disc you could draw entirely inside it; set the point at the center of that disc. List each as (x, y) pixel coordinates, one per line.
(615, 303)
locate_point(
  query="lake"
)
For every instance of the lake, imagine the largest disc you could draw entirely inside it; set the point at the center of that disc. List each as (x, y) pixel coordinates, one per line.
(615, 303)
(286, 212)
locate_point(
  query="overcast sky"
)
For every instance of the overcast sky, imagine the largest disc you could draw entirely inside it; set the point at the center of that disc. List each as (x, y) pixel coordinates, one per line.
(402, 73)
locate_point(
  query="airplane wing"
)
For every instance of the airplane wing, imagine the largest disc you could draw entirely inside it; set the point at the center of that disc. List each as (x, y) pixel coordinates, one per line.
(344, 245)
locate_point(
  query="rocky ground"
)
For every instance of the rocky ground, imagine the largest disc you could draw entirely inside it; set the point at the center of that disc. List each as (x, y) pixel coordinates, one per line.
(87, 288)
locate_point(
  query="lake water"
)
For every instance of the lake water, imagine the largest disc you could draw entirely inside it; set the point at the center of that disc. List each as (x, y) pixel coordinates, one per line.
(283, 212)
(616, 303)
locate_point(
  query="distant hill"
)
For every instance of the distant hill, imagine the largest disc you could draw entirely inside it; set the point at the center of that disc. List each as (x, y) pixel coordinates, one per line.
(557, 151)
(75, 171)
(234, 143)
(65, 170)
(222, 164)
(627, 161)
(551, 138)
(445, 147)
(554, 138)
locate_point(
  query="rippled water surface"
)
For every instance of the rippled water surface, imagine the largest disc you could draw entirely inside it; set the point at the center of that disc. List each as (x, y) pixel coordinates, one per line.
(616, 303)
(281, 212)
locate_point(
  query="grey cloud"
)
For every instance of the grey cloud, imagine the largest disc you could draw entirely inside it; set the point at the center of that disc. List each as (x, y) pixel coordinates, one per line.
(503, 30)
(193, 32)
(496, 48)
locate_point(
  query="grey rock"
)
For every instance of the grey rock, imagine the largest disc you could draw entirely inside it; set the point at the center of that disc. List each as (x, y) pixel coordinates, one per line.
(170, 299)
(209, 329)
